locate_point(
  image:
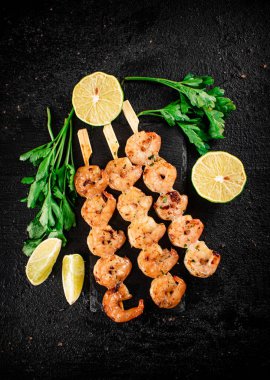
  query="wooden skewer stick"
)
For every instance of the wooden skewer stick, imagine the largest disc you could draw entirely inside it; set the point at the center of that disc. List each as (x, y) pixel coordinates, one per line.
(111, 140)
(85, 145)
(131, 116)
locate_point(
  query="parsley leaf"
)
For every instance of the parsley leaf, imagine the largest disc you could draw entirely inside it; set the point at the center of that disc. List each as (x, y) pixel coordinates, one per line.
(52, 189)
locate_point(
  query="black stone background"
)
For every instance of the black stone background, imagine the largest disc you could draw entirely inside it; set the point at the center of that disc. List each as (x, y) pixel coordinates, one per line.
(46, 47)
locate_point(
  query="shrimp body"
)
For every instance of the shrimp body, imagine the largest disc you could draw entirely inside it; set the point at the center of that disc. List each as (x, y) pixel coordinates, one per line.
(160, 176)
(167, 290)
(201, 261)
(98, 210)
(154, 261)
(133, 203)
(122, 173)
(113, 304)
(145, 231)
(171, 205)
(111, 270)
(184, 231)
(142, 147)
(104, 241)
(90, 180)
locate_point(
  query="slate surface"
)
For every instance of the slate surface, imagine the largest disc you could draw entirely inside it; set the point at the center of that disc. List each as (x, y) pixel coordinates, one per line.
(46, 48)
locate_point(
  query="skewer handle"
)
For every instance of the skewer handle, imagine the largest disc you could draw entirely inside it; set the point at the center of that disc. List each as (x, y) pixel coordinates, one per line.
(131, 116)
(111, 140)
(85, 145)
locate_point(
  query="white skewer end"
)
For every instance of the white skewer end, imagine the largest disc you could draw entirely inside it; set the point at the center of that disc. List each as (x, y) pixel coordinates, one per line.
(131, 116)
(85, 145)
(111, 140)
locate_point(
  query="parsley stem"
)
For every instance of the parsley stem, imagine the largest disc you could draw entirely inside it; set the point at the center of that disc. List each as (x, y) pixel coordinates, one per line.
(49, 123)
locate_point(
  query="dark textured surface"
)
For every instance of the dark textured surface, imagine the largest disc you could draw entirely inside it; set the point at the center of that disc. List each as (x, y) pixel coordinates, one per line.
(46, 48)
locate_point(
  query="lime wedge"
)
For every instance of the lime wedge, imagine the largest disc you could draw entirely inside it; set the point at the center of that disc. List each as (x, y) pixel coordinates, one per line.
(72, 276)
(42, 260)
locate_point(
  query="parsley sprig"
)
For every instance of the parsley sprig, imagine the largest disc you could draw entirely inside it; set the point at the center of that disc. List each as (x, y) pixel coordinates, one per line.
(200, 112)
(52, 189)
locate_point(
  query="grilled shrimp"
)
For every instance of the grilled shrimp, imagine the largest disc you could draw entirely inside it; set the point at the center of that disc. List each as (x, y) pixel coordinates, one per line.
(133, 203)
(142, 147)
(111, 270)
(167, 290)
(98, 210)
(201, 261)
(160, 176)
(154, 261)
(105, 241)
(122, 173)
(171, 205)
(90, 180)
(185, 231)
(113, 304)
(144, 231)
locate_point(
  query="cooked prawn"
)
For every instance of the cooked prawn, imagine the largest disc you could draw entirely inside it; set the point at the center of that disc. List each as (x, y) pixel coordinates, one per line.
(185, 231)
(122, 173)
(98, 210)
(171, 205)
(133, 203)
(111, 270)
(201, 261)
(105, 241)
(113, 304)
(167, 290)
(142, 147)
(160, 176)
(144, 231)
(90, 180)
(154, 261)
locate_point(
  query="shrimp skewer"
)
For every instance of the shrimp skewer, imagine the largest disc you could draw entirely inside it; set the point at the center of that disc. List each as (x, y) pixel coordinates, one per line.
(110, 270)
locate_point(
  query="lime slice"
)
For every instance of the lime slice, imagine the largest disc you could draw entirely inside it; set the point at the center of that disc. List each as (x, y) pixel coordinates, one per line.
(42, 260)
(72, 276)
(97, 99)
(218, 176)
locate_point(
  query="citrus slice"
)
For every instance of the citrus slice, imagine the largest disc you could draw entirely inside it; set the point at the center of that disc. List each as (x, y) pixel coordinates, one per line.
(42, 260)
(97, 99)
(218, 176)
(72, 276)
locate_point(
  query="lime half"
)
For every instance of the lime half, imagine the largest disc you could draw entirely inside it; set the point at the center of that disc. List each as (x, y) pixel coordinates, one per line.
(97, 99)
(218, 176)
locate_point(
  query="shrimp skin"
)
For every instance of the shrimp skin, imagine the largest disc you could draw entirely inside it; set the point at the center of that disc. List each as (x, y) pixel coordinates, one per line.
(105, 241)
(112, 270)
(201, 261)
(113, 305)
(122, 173)
(142, 147)
(154, 261)
(184, 231)
(145, 231)
(167, 291)
(98, 210)
(171, 205)
(160, 176)
(133, 203)
(90, 180)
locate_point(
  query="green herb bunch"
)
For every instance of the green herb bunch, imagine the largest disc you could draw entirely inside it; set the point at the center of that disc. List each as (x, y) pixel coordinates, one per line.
(52, 189)
(199, 111)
